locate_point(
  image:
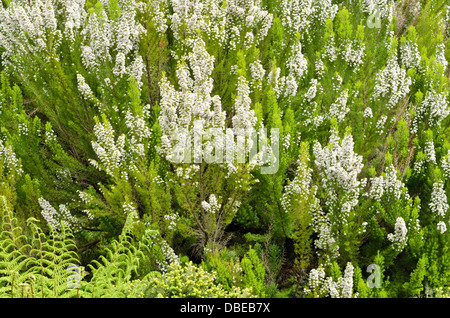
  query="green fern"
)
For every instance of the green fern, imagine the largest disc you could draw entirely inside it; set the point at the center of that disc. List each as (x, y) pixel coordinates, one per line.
(112, 274)
(36, 264)
(14, 262)
(114, 271)
(52, 257)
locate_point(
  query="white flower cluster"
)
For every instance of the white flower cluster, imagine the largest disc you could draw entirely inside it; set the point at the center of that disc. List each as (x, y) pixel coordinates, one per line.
(33, 29)
(168, 254)
(312, 91)
(88, 214)
(192, 107)
(187, 172)
(129, 209)
(213, 206)
(317, 282)
(392, 83)
(416, 7)
(297, 66)
(429, 151)
(326, 243)
(191, 114)
(286, 142)
(220, 21)
(87, 199)
(353, 53)
(119, 68)
(291, 86)
(87, 93)
(368, 112)
(75, 17)
(388, 185)
(54, 218)
(324, 10)
(83, 87)
(107, 40)
(442, 227)
(157, 9)
(343, 288)
(297, 63)
(399, 237)
(331, 52)
(104, 41)
(380, 125)
(27, 29)
(22, 129)
(49, 213)
(299, 188)
(111, 152)
(257, 73)
(418, 165)
(138, 132)
(339, 108)
(137, 126)
(381, 7)
(189, 16)
(235, 37)
(172, 219)
(322, 286)
(319, 68)
(440, 56)
(438, 204)
(297, 15)
(445, 165)
(245, 116)
(410, 55)
(435, 106)
(339, 167)
(194, 100)
(50, 136)
(312, 116)
(9, 161)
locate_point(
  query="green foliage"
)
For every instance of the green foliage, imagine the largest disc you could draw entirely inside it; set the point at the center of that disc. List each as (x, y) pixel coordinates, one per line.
(188, 281)
(253, 273)
(227, 267)
(92, 95)
(34, 264)
(112, 273)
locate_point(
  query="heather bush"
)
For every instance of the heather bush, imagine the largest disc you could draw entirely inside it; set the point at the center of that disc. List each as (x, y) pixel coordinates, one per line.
(240, 148)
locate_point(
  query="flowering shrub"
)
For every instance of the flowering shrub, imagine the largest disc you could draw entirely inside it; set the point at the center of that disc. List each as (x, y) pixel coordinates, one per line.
(283, 147)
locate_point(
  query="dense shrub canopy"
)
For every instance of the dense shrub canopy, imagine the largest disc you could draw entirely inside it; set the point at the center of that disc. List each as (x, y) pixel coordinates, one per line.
(240, 148)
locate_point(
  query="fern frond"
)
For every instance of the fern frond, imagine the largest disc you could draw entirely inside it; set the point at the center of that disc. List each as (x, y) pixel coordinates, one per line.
(35, 265)
(53, 256)
(14, 260)
(114, 272)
